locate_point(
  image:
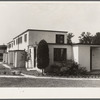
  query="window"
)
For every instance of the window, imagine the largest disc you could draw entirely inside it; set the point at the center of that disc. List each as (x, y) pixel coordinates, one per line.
(16, 41)
(9, 45)
(19, 40)
(60, 54)
(60, 39)
(12, 44)
(25, 37)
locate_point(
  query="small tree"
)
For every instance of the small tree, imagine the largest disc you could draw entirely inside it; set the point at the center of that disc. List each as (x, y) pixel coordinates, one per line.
(42, 55)
(69, 37)
(96, 38)
(86, 38)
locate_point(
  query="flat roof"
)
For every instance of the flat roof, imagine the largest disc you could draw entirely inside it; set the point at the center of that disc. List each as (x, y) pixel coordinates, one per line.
(40, 30)
(58, 44)
(9, 42)
(15, 50)
(83, 44)
(73, 44)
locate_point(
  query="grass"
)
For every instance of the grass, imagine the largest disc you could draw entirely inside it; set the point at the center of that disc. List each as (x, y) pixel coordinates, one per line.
(32, 82)
(4, 71)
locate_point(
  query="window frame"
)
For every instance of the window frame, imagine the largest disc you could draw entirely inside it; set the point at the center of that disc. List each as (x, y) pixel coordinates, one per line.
(58, 38)
(57, 54)
(25, 38)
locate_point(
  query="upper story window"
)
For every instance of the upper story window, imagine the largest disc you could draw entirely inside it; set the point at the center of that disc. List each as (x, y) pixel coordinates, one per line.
(14, 42)
(25, 37)
(20, 40)
(9, 45)
(60, 39)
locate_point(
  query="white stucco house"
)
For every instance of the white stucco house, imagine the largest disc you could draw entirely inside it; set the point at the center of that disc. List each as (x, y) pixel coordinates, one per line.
(86, 55)
(28, 41)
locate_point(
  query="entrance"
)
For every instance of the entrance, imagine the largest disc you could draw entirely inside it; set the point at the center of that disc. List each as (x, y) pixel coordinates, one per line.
(95, 58)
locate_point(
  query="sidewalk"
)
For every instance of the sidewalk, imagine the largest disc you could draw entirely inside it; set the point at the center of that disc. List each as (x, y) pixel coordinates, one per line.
(5, 65)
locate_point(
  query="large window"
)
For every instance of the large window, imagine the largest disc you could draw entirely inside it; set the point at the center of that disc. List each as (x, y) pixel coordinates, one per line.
(25, 37)
(60, 39)
(60, 54)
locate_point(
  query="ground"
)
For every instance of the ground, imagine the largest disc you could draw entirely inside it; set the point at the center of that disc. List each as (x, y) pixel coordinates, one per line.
(34, 81)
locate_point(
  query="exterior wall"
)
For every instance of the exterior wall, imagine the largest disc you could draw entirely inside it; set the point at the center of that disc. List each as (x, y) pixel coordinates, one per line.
(50, 37)
(81, 55)
(84, 56)
(10, 57)
(75, 53)
(30, 63)
(23, 45)
(11, 48)
(5, 57)
(51, 52)
(15, 47)
(19, 59)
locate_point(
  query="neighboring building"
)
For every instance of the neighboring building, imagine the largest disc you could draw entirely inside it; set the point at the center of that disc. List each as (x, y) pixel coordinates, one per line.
(3, 49)
(85, 55)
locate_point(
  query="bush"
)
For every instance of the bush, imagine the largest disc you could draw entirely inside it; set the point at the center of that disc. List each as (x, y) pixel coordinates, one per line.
(42, 55)
(82, 71)
(53, 69)
(73, 70)
(66, 69)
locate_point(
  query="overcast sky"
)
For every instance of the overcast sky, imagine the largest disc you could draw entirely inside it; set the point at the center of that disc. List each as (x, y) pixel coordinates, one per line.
(75, 17)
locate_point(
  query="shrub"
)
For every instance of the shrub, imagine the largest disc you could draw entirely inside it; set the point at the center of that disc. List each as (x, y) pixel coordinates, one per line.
(66, 69)
(73, 70)
(53, 69)
(82, 71)
(5, 72)
(42, 55)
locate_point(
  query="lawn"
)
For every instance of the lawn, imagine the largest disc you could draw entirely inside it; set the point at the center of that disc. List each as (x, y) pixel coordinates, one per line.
(4, 70)
(33, 82)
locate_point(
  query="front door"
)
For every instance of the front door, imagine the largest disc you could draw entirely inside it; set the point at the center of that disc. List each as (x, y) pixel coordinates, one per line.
(95, 58)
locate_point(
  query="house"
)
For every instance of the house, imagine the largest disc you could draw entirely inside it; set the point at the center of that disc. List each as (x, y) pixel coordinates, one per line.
(28, 41)
(85, 55)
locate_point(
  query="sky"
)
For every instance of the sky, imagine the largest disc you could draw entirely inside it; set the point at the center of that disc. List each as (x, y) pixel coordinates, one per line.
(74, 17)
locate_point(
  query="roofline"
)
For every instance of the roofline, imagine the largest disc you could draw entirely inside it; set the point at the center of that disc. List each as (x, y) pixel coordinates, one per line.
(40, 30)
(72, 44)
(84, 44)
(9, 42)
(58, 44)
(15, 50)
